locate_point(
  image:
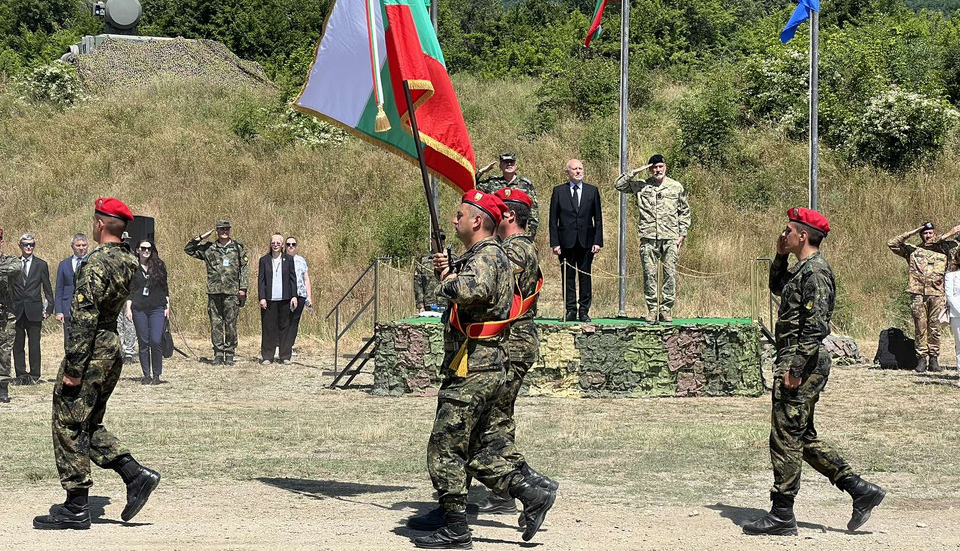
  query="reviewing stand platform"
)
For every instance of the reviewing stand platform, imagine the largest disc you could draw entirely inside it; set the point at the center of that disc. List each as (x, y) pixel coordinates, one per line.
(608, 358)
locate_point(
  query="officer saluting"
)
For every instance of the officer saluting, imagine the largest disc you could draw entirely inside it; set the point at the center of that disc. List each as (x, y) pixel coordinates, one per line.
(88, 375)
(807, 294)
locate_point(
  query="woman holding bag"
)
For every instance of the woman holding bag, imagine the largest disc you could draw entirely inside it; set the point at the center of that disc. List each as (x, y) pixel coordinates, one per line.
(149, 308)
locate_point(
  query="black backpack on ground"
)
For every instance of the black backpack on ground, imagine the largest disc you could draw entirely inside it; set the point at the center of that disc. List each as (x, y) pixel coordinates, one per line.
(895, 350)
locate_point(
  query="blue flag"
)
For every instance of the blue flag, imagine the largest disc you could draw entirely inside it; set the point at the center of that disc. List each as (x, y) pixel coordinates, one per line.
(800, 15)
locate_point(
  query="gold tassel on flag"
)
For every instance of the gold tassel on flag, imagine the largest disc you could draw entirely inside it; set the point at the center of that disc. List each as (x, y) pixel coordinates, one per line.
(383, 123)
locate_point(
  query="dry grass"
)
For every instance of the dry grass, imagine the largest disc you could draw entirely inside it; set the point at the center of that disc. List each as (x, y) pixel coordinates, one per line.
(168, 151)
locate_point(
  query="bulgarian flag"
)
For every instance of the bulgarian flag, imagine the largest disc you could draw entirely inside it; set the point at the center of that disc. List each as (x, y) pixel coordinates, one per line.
(367, 50)
(595, 26)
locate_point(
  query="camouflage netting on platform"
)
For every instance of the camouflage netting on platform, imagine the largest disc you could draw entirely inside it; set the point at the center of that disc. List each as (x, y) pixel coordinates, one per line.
(603, 360)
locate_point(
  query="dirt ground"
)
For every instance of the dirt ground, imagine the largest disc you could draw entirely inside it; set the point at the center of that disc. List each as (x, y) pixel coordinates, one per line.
(227, 486)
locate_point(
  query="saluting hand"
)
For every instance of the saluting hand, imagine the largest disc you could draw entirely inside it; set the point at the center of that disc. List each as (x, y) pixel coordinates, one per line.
(488, 168)
(206, 235)
(782, 243)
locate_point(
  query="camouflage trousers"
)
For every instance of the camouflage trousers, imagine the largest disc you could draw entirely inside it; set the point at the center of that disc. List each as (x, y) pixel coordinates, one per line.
(7, 333)
(466, 415)
(793, 438)
(500, 436)
(653, 254)
(224, 310)
(78, 431)
(926, 310)
(128, 335)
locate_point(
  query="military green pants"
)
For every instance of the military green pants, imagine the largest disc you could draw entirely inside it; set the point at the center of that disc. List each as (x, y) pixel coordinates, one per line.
(926, 310)
(7, 333)
(500, 434)
(464, 408)
(793, 438)
(78, 431)
(224, 310)
(653, 254)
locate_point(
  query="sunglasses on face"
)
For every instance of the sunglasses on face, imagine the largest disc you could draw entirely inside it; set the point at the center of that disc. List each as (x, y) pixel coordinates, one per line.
(28, 245)
(291, 244)
(145, 248)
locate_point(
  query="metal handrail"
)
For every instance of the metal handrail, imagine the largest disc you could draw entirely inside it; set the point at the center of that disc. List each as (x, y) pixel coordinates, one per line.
(335, 311)
(352, 287)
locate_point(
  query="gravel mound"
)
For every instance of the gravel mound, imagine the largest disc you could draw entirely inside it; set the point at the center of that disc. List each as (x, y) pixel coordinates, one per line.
(124, 63)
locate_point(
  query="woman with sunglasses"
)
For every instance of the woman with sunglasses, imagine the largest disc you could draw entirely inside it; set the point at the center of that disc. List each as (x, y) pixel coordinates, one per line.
(149, 308)
(304, 294)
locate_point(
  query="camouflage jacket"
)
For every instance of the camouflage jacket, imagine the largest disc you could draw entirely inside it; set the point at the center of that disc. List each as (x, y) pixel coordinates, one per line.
(425, 284)
(928, 263)
(103, 286)
(664, 210)
(496, 183)
(228, 267)
(523, 344)
(10, 268)
(807, 293)
(482, 291)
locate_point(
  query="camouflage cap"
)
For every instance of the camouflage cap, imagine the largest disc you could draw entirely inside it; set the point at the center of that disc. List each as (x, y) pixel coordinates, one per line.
(223, 224)
(508, 157)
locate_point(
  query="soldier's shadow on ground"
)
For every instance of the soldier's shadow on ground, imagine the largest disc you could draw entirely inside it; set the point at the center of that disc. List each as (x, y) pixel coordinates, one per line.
(742, 515)
(330, 489)
(946, 379)
(98, 505)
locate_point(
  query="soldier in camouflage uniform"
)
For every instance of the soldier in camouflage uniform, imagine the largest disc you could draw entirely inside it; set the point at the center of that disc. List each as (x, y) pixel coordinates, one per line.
(88, 375)
(425, 285)
(10, 268)
(664, 221)
(509, 178)
(125, 328)
(227, 275)
(807, 294)
(474, 368)
(929, 262)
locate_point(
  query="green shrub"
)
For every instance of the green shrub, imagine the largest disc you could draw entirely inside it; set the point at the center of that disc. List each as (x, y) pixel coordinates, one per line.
(706, 123)
(56, 84)
(277, 124)
(248, 119)
(586, 87)
(899, 129)
(601, 140)
(403, 233)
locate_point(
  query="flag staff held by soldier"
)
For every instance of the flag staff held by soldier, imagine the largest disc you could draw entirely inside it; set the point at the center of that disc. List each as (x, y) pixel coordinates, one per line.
(88, 375)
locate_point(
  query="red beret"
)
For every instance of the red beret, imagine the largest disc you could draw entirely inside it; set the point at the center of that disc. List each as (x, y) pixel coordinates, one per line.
(516, 195)
(809, 217)
(487, 202)
(116, 208)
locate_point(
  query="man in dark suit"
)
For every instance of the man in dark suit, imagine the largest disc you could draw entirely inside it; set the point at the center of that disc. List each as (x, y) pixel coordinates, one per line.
(29, 309)
(576, 234)
(65, 282)
(277, 290)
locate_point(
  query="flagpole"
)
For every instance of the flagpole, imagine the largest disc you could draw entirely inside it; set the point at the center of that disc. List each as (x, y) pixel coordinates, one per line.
(624, 90)
(434, 183)
(437, 244)
(814, 85)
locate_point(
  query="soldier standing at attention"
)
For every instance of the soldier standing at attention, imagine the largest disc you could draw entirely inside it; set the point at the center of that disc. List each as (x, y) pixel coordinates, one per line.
(807, 293)
(10, 268)
(509, 179)
(929, 262)
(88, 375)
(664, 221)
(481, 294)
(227, 273)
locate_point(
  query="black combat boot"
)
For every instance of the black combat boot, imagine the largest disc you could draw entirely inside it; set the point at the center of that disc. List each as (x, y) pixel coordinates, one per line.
(140, 481)
(934, 364)
(778, 522)
(4, 394)
(455, 535)
(921, 365)
(865, 496)
(228, 360)
(496, 504)
(217, 360)
(429, 521)
(73, 514)
(542, 480)
(536, 502)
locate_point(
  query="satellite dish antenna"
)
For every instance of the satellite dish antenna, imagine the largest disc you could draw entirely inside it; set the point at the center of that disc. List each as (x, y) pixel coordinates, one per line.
(120, 16)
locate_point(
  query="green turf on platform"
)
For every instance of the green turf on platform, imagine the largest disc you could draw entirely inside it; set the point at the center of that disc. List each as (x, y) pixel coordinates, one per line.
(617, 321)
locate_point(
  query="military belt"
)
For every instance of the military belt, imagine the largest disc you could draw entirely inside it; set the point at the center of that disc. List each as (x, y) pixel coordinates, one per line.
(108, 326)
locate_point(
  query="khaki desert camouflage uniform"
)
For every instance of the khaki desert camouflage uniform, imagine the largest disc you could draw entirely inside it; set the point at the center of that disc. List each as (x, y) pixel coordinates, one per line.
(482, 291)
(928, 266)
(227, 274)
(494, 184)
(94, 356)
(664, 219)
(10, 269)
(807, 295)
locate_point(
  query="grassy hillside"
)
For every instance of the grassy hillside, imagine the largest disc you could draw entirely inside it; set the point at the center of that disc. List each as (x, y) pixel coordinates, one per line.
(168, 149)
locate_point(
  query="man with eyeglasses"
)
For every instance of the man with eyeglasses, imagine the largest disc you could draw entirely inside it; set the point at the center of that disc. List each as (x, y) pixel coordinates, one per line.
(304, 291)
(9, 273)
(30, 309)
(509, 178)
(227, 274)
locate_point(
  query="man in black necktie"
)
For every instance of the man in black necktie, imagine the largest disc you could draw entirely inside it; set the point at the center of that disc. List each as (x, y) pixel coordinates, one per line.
(30, 309)
(576, 234)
